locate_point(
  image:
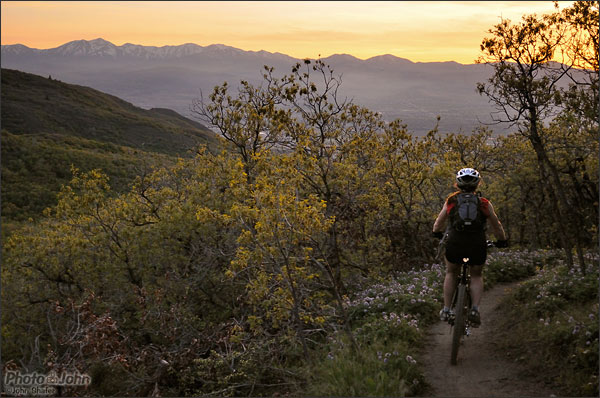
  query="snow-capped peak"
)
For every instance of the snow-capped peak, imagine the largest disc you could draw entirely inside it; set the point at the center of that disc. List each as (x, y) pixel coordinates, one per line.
(103, 48)
(83, 47)
(17, 49)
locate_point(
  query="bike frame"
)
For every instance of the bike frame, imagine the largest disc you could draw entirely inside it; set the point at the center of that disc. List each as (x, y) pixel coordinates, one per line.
(464, 279)
(461, 304)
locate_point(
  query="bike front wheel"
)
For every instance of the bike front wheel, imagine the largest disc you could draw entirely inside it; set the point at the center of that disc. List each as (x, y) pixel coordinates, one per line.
(459, 322)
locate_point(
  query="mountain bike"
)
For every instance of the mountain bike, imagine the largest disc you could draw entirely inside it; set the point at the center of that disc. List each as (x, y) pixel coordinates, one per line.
(461, 304)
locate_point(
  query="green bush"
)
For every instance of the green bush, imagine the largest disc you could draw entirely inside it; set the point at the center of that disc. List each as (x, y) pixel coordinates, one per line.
(385, 369)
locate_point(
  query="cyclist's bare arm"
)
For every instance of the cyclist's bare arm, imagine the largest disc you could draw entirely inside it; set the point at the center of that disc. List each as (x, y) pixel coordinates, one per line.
(495, 224)
(440, 222)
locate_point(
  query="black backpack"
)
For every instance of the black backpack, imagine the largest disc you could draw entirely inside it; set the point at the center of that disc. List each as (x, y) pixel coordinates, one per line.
(466, 215)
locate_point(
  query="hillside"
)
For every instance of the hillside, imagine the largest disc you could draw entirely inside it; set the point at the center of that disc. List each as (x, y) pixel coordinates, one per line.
(33, 104)
(35, 166)
(49, 126)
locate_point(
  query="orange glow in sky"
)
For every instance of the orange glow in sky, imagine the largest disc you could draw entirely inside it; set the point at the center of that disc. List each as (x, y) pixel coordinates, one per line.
(418, 30)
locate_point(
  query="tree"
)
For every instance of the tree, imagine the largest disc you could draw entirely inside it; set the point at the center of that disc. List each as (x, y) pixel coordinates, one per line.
(525, 89)
(581, 50)
(250, 121)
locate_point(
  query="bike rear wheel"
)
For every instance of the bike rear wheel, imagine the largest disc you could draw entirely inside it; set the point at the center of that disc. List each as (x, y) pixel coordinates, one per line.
(459, 322)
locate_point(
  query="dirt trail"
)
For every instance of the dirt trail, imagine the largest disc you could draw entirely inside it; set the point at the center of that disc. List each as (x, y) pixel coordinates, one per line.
(481, 371)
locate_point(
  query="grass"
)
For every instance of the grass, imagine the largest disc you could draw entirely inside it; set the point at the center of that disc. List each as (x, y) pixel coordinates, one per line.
(381, 370)
(389, 318)
(552, 326)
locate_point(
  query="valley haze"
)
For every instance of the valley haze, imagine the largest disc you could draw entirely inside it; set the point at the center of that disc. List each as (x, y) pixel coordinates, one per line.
(174, 76)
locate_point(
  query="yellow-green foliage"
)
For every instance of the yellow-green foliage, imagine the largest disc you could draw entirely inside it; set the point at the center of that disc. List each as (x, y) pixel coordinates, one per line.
(228, 273)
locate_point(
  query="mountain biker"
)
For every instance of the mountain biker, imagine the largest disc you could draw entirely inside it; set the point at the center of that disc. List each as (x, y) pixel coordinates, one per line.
(466, 243)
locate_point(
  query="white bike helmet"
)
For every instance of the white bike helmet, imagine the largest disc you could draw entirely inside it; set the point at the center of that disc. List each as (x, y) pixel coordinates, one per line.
(467, 178)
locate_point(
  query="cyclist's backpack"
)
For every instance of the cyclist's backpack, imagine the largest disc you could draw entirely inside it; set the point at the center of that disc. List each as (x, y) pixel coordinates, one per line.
(466, 216)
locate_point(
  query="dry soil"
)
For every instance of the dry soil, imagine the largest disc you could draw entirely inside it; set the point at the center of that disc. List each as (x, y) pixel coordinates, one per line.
(481, 370)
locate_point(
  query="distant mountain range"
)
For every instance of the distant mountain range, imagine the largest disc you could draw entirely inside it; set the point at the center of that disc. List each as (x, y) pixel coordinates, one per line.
(173, 76)
(103, 48)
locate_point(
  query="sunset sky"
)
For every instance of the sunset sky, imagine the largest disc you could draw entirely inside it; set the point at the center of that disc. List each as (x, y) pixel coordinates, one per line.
(418, 30)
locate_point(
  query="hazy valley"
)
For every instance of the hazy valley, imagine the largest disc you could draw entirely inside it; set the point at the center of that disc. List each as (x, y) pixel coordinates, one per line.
(173, 76)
